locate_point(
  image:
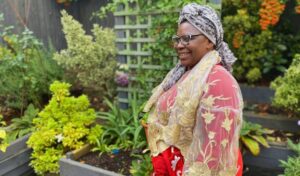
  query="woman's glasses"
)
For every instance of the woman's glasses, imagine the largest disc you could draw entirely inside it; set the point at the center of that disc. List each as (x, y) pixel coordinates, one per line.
(185, 39)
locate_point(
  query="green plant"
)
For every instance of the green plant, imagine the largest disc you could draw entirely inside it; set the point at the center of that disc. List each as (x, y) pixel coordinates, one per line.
(64, 124)
(287, 93)
(26, 69)
(292, 165)
(252, 135)
(23, 125)
(91, 59)
(122, 128)
(141, 166)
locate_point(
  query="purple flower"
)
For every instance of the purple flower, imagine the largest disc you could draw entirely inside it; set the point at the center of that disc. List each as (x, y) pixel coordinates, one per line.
(298, 122)
(122, 79)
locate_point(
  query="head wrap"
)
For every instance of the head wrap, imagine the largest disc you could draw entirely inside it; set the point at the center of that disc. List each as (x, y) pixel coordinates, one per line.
(207, 21)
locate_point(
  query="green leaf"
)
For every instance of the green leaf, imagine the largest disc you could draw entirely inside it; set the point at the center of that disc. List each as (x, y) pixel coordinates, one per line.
(251, 144)
(261, 140)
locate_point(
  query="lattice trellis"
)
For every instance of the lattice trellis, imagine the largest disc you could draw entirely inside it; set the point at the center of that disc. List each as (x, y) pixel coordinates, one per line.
(132, 28)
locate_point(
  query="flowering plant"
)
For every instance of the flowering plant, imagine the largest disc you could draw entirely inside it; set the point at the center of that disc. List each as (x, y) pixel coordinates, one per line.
(122, 77)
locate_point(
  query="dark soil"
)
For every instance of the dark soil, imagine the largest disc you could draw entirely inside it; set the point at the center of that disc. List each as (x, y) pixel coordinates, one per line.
(8, 114)
(119, 163)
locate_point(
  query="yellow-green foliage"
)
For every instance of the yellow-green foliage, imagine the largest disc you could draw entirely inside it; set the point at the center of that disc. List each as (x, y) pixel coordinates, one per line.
(3, 136)
(63, 125)
(287, 87)
(90, 58)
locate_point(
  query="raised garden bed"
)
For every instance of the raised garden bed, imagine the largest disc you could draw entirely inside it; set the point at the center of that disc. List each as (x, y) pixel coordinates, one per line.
(15, 161)
(70, 167)
(257, 94)
(267, 161)
(271, 121)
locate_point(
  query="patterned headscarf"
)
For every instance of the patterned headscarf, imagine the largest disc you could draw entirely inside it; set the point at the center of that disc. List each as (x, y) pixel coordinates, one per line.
(207, 21)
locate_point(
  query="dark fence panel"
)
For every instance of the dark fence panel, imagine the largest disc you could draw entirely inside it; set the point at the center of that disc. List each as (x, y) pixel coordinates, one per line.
(43, 17)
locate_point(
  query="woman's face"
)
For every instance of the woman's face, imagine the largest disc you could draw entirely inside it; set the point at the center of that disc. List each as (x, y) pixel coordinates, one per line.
(190, 53)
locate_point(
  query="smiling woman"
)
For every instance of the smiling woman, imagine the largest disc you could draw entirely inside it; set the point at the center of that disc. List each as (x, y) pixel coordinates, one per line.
(191, 46)
(196, 112)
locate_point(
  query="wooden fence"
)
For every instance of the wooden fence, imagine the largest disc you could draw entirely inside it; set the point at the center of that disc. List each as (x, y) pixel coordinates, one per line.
(43, 17)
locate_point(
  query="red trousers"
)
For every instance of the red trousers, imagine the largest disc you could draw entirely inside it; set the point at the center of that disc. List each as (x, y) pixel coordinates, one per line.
(170, 163)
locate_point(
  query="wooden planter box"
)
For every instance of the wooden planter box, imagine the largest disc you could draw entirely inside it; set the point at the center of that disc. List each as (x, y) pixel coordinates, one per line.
(15, 161)
(268, 160)
(273, 121)
(70, 167)
(264, 95)
(257, 94)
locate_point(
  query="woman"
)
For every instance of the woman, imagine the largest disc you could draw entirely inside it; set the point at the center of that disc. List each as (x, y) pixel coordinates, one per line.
(196, 112)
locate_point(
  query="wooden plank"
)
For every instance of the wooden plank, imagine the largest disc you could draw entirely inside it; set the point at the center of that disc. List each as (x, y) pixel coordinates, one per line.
(256, 94)
(76, 154)
(134, 53)
(15, 161)
(268, 157)
(141, 26)
(69, 167)
(138, 40)
(24, 170)
(14, 147)
(43, 17)
(149, 67)
(273, 121)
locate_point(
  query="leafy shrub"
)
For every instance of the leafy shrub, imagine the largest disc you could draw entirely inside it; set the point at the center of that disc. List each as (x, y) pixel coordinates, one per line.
(292, 165)
(90, 58)
(287, 92)
(63, 125)
(26, 69)
(252, 135)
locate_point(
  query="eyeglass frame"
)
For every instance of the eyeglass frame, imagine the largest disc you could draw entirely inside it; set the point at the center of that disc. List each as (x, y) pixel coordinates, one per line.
(176, 39)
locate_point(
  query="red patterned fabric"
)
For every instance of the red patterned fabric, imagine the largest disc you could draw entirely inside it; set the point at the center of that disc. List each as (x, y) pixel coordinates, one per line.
(162, 164)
